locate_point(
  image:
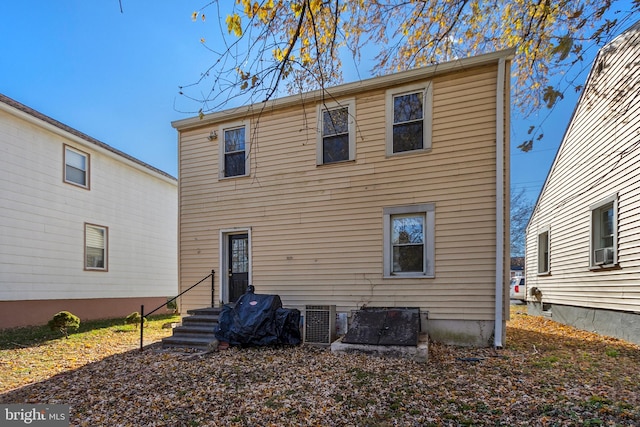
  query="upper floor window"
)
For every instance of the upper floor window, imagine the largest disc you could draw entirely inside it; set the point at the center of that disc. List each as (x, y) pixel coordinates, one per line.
(336, 136)
(543, 252)
(409, 118)
(95, 247)
(76, 167)
(408, 238)
(234, 156)
(604, 232)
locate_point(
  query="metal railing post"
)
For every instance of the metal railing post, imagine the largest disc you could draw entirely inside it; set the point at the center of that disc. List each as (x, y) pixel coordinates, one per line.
(141, 326)
(213, 288)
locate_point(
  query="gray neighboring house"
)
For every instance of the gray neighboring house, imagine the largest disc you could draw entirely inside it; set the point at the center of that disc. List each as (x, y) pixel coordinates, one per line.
(583, 239)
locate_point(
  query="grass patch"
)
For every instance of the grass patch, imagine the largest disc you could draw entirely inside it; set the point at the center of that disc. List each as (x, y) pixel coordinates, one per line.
(598, 401)
(33, 336)
(546, 362)
(612, 352)
(35, 353)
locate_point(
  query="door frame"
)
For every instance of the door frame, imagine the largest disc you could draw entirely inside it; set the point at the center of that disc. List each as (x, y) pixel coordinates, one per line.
(224, 259)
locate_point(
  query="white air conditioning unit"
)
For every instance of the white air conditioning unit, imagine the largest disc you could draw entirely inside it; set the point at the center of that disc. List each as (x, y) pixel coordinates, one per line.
(603, 256)
(320, 324)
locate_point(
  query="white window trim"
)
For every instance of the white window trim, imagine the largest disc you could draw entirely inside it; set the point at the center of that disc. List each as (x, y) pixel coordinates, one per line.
(221, 152)
(106, 248)
(542, 231)
(87, 156)
(612, 199)
(428, 209)
(326, 106)
(427, 89)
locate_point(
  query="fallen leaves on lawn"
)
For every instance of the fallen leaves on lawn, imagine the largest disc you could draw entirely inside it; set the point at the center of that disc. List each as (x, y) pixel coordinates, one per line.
(548, 375)
(44, 358)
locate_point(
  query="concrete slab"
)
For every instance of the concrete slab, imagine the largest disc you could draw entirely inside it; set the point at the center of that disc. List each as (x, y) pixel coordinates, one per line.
(418, 353)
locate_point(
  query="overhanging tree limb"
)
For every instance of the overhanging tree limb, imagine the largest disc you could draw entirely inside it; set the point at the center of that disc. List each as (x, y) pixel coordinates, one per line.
(404, 34)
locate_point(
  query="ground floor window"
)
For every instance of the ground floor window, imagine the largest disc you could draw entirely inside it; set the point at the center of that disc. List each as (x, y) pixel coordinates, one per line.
(95, 247)
(409, 240)
(543, 252)
(604, 235)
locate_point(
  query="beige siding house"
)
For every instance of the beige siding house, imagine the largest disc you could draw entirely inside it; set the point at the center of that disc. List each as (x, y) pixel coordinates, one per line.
(583, 239)
(388, 192)
(83, 227)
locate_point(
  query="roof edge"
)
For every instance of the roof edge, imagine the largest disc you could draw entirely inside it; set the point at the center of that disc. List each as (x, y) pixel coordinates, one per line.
(603, 50)
(346, 89)
(20, 110)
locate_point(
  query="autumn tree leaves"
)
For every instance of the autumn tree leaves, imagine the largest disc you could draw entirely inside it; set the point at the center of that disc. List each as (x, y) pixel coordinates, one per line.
(269, 47)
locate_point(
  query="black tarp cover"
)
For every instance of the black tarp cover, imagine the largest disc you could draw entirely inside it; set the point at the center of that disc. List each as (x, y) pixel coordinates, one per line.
(258, 320)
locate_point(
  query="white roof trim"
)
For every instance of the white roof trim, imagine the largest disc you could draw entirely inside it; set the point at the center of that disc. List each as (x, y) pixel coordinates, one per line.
(400, 78)
(34, 117)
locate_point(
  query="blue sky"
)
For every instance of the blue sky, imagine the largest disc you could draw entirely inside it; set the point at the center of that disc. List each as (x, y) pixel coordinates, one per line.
(115, 76)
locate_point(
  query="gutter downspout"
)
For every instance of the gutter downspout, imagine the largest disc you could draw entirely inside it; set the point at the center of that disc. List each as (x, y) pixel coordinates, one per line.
(498, 329)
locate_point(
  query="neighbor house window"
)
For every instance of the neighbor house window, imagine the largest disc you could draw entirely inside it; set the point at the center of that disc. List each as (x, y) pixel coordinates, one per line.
(95, 247)
(408, 239)
(76, 167)
(543, 252)
(234, 159)
(604, 235)
(409, 119)
(336, 136)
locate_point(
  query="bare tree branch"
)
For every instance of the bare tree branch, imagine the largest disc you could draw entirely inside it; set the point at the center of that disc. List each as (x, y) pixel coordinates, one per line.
(551, 38)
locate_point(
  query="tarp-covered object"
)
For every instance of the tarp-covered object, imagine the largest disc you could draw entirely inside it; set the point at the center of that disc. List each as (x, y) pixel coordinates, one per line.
(260, 320)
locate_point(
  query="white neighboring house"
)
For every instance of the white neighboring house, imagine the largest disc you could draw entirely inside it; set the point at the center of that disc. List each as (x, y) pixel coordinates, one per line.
(83, 227)
(583, 239)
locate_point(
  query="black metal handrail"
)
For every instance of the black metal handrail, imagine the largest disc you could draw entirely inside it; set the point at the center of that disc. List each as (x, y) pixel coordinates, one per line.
(143, 316)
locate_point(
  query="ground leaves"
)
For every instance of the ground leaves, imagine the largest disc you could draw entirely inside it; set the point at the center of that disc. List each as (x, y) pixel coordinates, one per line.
(548, 375)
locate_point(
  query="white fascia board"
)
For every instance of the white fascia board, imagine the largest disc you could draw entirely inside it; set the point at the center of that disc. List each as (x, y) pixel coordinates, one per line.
(347, 89)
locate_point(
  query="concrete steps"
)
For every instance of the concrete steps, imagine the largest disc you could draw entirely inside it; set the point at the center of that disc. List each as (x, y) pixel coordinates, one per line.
(197, 330)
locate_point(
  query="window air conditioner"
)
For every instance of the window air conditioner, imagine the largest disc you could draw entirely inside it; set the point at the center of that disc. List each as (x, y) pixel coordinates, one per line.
(320, 324)
(603, 256)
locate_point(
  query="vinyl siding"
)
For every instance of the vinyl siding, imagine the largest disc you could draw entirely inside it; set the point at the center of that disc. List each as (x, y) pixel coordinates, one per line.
(316, 231)
(42, 219)
(598, 157)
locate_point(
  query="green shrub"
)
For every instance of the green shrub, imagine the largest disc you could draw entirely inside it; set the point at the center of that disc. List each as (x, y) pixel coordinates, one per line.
(63, 321)
(134, 319)
(172, 305)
